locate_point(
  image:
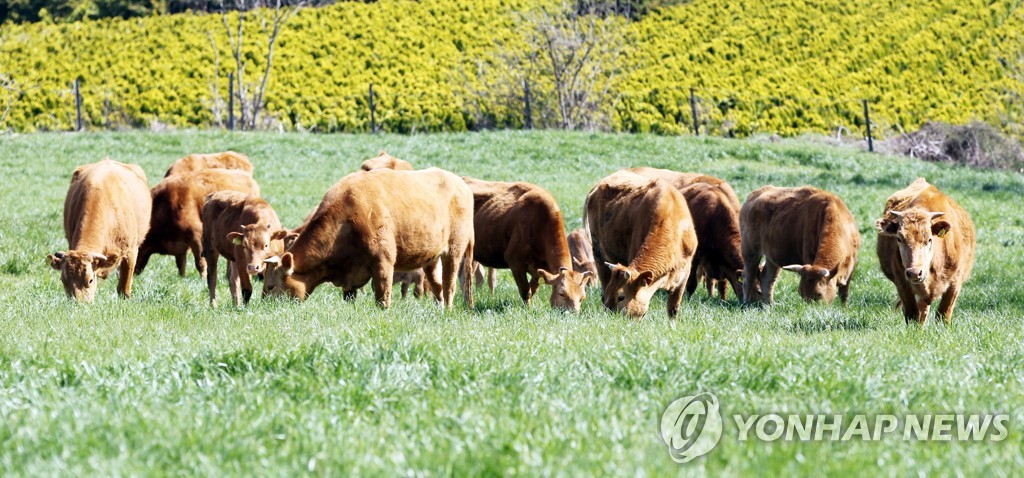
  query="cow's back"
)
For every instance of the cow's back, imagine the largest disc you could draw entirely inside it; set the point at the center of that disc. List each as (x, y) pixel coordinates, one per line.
(789, 224)
(198, 162)
(179, 198)
(107, 207)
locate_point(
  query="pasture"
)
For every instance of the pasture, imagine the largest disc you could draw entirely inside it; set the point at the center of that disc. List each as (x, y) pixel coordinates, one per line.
(163, 384)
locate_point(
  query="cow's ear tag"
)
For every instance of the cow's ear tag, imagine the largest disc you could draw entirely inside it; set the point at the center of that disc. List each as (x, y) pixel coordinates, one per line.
(238, 241)
(942, 233)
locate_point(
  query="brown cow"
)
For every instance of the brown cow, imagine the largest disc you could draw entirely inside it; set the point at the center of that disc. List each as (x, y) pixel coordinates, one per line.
(715, 209)
(804, 230)
(386, 161)
(519, 226)
(106, 216)
(176, 225)
(417, 279)
(582, 255)
(925, 247)
(239, 227)
(197, 162)
(643, 234)
(371, 224)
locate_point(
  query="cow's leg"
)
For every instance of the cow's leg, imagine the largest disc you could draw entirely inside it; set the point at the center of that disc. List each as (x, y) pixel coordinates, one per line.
(234, 281)
(922, 312)
(179, 261)
(722, 288)
(844, 292)
(604, 274)
(381, 278)
(947, 303)
(195, 244)
(907, 299)
(749, 277)
(675, 297)
(405, 289)
(350, 295)
(467, 261)
(142, 258)
(211, 278)
(492, 279)
(450, 280)
(124, 276)
(522, 282)
(691, 283)
(768, 277)
(246, 281)
(432, 275)
(417, 291)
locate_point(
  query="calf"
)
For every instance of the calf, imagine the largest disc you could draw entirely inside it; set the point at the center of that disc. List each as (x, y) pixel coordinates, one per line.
(198, 162)
(239, 227)
(386, 161)
(106, 217)
(582, 255)
(642, 231)
(370, 224)
(716, 216)
(926, 248)
(176, 225)
(804, 230)
(518, 226)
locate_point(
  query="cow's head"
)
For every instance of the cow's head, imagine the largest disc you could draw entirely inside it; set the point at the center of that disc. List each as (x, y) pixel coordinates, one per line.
(256, 243)
(629, 291)
(915, 231)
(278, 277)
(79, 271)
(567, 290)
(816, 283)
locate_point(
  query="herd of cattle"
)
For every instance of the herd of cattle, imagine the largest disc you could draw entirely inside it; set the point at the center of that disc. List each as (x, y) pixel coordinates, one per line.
(644, 229)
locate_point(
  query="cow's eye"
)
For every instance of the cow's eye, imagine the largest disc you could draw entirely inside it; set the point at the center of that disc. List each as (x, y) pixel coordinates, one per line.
(622, 298)
(266, 246)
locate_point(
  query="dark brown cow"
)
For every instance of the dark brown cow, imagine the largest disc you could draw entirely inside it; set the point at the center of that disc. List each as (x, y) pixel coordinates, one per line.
(804, 230)
(417, 279)
(386, 161)
(582, 253)
(716, 216)
(925, 247)
(176, 225)
(371, 224)
(519, 226)
(239, 227)
(198, 162)
(106, 216)
(643, 234)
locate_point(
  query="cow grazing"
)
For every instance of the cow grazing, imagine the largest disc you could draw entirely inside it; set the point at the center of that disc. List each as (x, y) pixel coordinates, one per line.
(925, 247)
(176, 225)
(518, 226)
(417, 279)
(644, 236)
(370, 224)
(106, 217)
(804, 230)
(582, 255)
(198, 162)
(715, 209)
(386, 161)
(239, 227)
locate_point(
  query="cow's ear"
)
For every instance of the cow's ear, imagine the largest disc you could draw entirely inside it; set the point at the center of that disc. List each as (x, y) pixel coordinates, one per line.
(288, 263)
(887, 226)
(100, 261)
(279, 234)
(235, 238)
(546, 276)
(645, 279)
(584, 276)
(940, 228)
(55, 260)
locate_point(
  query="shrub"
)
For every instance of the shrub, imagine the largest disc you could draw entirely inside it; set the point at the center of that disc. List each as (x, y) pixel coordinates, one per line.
(976, 144)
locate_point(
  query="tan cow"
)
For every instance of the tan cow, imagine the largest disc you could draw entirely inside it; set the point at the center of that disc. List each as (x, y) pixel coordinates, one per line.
(370, 224)
(804, 230)
(643, 234)
(106, 216)
(239, 227)
(519, 226)
(926, 247)
(386, 161)
(176, 225)
(197, 162)
(716, 216)
(582, 253)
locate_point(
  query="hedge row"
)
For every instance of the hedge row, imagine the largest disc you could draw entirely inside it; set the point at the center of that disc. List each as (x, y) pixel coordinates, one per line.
(779, 66)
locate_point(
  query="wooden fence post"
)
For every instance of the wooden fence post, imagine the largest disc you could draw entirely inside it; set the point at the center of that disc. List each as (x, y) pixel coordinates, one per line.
(231, 101)
(867, 124)
(78, 105)
(693, 112)
(373, 112)
(527, 112)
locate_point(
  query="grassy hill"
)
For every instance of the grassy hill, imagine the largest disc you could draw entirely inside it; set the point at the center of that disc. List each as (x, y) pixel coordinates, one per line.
(164, 384)
(781, 66)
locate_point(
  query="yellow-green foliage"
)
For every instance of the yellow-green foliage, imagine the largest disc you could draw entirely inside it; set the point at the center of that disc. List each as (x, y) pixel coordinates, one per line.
(783, 66)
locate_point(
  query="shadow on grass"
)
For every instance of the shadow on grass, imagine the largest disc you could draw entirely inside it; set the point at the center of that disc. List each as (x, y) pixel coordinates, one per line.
(495, 304)
(830, 323)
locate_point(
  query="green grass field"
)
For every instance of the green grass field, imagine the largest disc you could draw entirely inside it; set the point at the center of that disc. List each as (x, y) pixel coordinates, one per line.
(162, 384)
